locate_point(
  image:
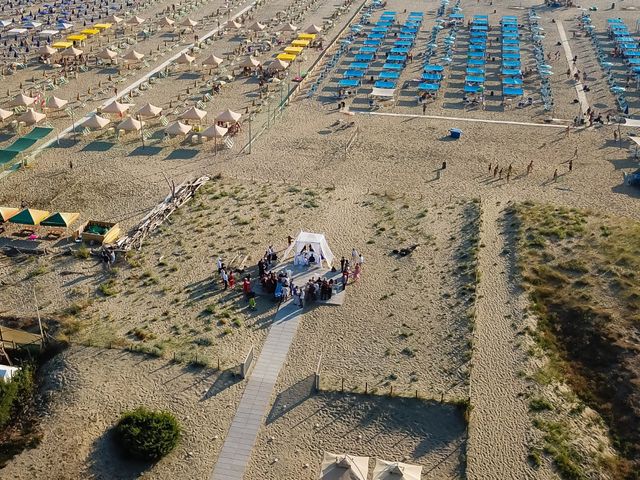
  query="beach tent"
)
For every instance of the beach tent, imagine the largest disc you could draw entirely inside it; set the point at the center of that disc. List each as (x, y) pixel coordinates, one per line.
(177, 128)
(343, 467)
(396, 471)
(214, 131)
(187, 22)
(55, 103)
(228, 116)
(149, 110)
(235, 25)
(107, 54)
(60, 220)
(133, 56)
(136, 21)
(319, 244)
(288, 27)
(22, 100)
(96, 122)
(185, 59)
(193, 113)
(313, 29)
(277, 65)
(72, 52)
(257, 27)
(130, 124)
(113, 19)
(212, 60)
(31, 116)
(7, 372)
(250, 62)
(29, 216)
(47, 50)
(4, 114)
(167, 22)
(7, 212)
(116, 107)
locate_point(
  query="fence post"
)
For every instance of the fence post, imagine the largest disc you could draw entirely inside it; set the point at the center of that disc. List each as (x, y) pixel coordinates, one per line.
(366, 388)
(342, 388)
(391, 392)
(218, 363)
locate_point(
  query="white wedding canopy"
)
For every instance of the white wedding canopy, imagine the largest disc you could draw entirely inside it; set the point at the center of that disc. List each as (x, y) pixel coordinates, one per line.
(343, 467)
(396, 471)
(315, 240)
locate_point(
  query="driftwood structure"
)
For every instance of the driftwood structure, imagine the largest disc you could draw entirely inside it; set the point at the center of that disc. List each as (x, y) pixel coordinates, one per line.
(178, 196)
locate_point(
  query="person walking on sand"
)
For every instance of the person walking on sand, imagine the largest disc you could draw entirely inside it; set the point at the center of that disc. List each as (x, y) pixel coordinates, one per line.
(490, 168)
(354, 256)
(530, 167)
(232, 280)
(615, 135)
(225, 279)
(555, 175)
(567, 131)
(500, 175)
(571, 164)
(575, 153)
(495, 171)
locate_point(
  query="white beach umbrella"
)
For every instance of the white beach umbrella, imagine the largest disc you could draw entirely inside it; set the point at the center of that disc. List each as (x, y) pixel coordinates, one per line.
(130, 124)
(228, 116)
(212, 60)
(193, 113)
(177, 128)
(133, 56)
(55, 103)
(313, 29)
(344, 467)
(22, 100)
(384, 470)
(31, 116)
(96, 122)
(148, 110)
(214, 131)
(235, 25)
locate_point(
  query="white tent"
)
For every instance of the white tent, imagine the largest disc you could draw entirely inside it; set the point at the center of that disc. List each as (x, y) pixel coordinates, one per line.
(313, 240)
(343, 467)
(96, 122)
(382, 92)
(396, 471)
(7, 372)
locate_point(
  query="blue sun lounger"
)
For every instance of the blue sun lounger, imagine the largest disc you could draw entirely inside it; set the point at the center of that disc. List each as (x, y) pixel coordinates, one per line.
(430, 87)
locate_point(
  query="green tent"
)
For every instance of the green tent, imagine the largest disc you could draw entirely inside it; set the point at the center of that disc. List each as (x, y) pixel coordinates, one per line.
(60, 219)
(29, 216)
(38, 133)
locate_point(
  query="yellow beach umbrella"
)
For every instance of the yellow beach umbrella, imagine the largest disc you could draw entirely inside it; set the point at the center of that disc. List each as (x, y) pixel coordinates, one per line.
(293, 50)
(102, 26)
(300, 43)
(90, 31)
(29, 216)
(307, 36)
(7, 212)
(62, 45)
(286, 57)
(78, 37)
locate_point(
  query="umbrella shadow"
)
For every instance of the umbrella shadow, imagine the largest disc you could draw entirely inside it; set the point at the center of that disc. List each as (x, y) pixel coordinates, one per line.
(98, 146)
(147, 151)
(182, 154)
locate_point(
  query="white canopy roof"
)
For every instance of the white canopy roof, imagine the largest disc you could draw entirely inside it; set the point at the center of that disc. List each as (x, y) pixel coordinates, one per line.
(148, 110)
(228, 116)
(31, 116)
(178, 128)
(72, 52)
(187, 22)
(396, 471)
(113, 19)
(4, 114)
(46, 50)
(17, 31)
(22, 100)
(313, 29)
(184, 58)
(167, 22)
(288, 27)
(214, 131)
(212, 60)
(193, 113)
(250, 62)
(7, 372)
(317, 241)
(277, 65)
(117, 107)
(382, 92)
(257, 27)
(133, 56)
(136, 21)
(130, 124)
(343, 467)
(630, 122)
(234, 24)
(55, 102)
(107, 54)
(96, 122)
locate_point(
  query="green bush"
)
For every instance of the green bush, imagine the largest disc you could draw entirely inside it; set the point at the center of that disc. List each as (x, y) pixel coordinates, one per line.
(15, 392)
(148, 434)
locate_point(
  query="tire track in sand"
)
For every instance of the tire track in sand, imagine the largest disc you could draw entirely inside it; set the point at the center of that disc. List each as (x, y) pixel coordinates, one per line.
(498, 422)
